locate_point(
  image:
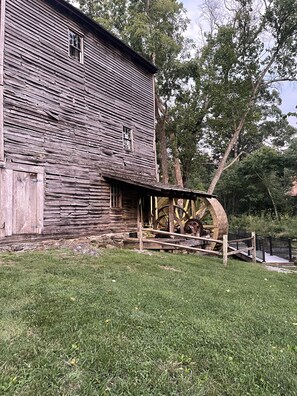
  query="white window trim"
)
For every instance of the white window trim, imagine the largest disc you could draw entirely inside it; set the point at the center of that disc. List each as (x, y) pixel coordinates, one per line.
(132, 138)
(81, 58)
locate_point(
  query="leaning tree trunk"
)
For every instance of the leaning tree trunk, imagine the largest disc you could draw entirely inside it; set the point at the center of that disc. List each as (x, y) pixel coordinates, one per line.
(163, 154)
(161, 136)
(225, 157)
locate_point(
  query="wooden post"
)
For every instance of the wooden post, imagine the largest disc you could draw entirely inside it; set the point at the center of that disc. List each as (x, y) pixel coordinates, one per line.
(193, 208)
(152, 211)
(225, 250)
(140, 224)
(171, 215)
(254, 251)
(156, 211)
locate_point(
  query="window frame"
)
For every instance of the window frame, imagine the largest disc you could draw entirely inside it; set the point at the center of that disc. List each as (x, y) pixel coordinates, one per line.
(79, 49)
(116, 198)
(130, 140)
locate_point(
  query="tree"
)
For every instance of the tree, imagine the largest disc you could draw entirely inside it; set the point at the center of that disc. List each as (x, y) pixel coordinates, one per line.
(260, 183)
(244, 67)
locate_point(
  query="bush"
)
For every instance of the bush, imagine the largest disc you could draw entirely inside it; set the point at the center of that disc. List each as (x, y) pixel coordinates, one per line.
(265, 225)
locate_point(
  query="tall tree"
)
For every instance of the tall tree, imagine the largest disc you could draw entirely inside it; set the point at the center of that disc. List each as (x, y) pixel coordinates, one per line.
(244, 59)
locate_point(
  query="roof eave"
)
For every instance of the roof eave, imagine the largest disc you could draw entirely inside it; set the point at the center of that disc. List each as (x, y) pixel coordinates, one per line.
(159, 189)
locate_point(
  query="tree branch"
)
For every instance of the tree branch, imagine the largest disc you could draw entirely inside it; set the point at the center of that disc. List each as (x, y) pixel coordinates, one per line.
(233, 161)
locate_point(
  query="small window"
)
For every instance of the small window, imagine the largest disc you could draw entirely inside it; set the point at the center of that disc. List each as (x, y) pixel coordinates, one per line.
(75, 46)
(127, 139)
(115, 196)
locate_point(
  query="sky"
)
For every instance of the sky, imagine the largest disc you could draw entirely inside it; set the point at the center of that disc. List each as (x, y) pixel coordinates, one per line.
(288, 91)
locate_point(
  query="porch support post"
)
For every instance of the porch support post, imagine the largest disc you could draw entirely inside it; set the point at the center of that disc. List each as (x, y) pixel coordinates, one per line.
(193, 208)
(152, 211)
(140, 223)
(171, 215)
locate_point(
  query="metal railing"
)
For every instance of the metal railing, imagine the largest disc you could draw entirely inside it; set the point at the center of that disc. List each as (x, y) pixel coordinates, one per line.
(281, 247)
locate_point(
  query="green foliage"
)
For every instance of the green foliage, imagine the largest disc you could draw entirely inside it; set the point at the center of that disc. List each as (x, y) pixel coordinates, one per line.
(260, 183)
(233, 91)
(125, 323)
(266, 226)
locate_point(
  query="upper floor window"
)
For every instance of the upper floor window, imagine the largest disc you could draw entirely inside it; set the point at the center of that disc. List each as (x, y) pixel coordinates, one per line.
(75, 46)
(127, 138)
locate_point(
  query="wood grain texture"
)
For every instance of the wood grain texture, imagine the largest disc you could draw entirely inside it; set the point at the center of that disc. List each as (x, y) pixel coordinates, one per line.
(2, 31)
(66, 118)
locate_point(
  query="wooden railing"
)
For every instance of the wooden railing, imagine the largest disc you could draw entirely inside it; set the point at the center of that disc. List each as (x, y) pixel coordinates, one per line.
(226, 251)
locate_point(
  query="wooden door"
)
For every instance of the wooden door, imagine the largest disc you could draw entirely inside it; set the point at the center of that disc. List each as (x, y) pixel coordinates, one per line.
(22, 196)
(24, 203)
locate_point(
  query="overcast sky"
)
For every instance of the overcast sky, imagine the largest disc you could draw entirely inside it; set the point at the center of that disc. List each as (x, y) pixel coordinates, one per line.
(288, 91)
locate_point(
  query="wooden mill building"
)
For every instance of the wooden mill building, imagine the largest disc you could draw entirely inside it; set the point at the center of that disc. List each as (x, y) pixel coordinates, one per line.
(77, 139)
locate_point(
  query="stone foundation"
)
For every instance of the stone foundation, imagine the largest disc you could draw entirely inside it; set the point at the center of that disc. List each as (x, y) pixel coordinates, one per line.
(83, 245)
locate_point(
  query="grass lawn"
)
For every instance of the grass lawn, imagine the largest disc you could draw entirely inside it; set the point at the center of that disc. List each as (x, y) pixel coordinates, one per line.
(125, 323)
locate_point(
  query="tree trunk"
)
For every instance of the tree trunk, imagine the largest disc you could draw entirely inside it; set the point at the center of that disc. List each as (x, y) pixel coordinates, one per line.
(224, 159)
(176, 161)
(163, 154)
(160, 112)
(273, 203)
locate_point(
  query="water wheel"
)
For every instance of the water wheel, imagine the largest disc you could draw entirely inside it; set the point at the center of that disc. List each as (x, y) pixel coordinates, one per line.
(207, 218)
(213, 217)
(180, 217)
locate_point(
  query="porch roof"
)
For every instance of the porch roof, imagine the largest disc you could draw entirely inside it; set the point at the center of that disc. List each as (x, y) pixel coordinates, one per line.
(150, 186)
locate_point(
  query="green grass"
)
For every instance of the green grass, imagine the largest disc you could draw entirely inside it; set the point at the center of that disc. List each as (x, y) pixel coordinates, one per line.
(122, 324)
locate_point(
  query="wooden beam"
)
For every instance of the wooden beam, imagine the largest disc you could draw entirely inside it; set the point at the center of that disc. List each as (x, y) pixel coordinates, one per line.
(254, 251)
(171, 215)
(24, 168)
(160, 242)
(225, 250)
(246, 249)
(140, 223)
(186, 236)
(193, 208)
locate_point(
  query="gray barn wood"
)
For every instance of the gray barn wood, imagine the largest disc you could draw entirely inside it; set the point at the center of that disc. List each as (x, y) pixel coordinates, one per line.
(61, 125)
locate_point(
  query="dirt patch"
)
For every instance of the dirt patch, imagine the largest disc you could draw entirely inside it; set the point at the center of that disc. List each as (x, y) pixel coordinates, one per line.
(166, 268)
(280, 269)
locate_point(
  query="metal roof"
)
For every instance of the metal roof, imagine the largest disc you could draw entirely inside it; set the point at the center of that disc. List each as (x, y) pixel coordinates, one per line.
(75, 14)
(152, 187)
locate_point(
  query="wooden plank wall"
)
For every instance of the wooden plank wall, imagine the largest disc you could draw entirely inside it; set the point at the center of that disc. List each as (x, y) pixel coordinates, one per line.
(2, 26)
(67, 117)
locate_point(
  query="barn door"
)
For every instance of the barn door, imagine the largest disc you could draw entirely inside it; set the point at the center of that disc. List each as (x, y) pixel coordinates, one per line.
(24, 213)
(21, 208)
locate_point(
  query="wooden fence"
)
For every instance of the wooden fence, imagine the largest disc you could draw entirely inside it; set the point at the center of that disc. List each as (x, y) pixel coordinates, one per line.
(225, 251)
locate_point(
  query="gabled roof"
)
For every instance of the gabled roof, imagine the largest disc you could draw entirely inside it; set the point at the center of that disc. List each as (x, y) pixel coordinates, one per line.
(151, 187)
(72, 12)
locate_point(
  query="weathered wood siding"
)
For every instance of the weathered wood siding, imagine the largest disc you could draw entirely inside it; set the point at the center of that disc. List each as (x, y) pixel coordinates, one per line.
(67, 117)
(2, 26)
